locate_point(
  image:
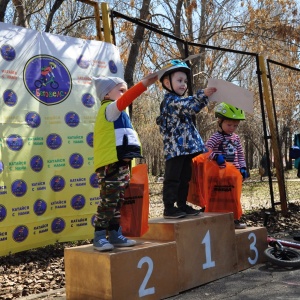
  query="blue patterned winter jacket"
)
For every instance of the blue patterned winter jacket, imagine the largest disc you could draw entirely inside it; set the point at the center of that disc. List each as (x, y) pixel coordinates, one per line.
(180, 136)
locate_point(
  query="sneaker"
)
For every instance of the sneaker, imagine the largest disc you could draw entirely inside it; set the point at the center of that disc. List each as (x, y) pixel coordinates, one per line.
(100, 242)
(239, 225)
(190, 211)
(117, 239)
(174, 213)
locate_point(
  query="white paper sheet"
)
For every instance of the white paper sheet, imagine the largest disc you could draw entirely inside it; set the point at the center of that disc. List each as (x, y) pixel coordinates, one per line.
(232, 94)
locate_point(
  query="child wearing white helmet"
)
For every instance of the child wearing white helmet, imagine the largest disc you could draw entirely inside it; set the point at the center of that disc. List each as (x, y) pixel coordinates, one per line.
(181, 139)
(226, 144)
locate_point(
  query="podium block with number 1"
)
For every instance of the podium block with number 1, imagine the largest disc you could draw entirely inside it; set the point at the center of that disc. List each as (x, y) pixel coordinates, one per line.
(206, 248)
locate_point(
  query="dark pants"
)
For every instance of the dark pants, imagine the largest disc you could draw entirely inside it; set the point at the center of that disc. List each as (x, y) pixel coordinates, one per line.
(178, 173)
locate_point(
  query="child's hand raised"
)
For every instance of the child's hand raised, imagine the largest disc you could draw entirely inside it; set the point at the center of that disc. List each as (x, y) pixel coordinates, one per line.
(209, 91)
(148, 80)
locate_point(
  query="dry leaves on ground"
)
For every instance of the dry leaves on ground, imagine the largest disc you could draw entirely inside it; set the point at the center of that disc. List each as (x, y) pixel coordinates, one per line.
(41, 270)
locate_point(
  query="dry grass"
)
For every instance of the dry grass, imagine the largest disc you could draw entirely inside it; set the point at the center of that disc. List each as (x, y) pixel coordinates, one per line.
(256, 193)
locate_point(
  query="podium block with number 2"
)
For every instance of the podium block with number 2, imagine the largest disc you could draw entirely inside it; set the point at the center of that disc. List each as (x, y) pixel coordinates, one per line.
(145, 271)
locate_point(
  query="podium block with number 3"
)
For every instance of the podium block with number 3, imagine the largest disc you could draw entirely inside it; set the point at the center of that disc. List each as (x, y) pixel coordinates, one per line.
(250, 244)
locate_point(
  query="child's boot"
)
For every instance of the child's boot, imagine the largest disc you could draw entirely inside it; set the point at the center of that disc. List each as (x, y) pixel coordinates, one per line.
(100, 242)
(117, 239)
(239, 225)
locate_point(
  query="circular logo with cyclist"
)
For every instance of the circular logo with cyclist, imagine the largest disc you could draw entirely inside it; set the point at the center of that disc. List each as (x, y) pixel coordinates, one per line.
(72, 119)
(39, 207)
(58, 225)
(112, 67)
(47, 79)
(78, 202)
(36, 163)
(94, 180)
(19, 188)
(20, 233)
(83, 62)
(14, 142)
(90, 139)
(54, 141)
(76, 160)
(57, 183)
(8, 52)
(88, 100)
(3, 212)
(33, 119)
(10, 98)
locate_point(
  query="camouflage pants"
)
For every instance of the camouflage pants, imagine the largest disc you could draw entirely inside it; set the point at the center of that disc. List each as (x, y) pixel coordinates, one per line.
(113, 179)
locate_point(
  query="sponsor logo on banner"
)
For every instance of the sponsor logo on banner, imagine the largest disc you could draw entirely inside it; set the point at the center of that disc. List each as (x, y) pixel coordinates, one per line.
(54, 141)
(76, 160)
(72, 119)
(10, 98)
(94, 180)
(33, 119)
(3, 212)
(58, 225)
(47, 79)
(8, 52)
(78, 202)
(14, 142)
(57, 183)
(19, 188)
(20, 233)
(90, 139)
(39, 207)
(88, 100)
(36, 163)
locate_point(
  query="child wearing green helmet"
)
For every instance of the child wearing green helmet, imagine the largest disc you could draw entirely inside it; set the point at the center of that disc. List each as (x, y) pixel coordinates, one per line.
(181, 139)
(226, 144)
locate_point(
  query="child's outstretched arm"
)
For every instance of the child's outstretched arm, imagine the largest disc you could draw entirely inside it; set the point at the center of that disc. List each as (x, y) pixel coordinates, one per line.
(134, 92)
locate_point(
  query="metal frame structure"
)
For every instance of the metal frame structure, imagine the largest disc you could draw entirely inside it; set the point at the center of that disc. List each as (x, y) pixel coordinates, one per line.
(108, 17)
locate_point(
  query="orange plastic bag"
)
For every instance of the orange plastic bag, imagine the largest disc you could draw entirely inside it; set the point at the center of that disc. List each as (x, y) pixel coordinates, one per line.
(223, 188)
(135, 209)
(196, 193)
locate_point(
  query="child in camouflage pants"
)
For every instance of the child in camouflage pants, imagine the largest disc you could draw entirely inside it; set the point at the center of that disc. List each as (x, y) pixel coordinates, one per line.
(113, 180)
(116, 143)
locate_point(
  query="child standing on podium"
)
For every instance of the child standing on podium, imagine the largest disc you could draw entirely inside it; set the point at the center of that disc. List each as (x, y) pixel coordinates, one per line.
(181, 139)
(116, 143)
(226, 144)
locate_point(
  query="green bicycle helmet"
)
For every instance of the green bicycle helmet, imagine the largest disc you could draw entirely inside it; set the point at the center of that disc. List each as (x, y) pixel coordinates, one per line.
(228, 111)
(175, 65)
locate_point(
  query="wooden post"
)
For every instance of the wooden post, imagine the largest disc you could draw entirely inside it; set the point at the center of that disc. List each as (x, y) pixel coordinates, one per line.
(274, 138)
(106, 23)
(97, 17)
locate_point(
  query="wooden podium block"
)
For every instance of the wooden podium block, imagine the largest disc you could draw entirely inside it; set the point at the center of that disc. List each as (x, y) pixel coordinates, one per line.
(250, 244)
(206, 248)
(147, 270)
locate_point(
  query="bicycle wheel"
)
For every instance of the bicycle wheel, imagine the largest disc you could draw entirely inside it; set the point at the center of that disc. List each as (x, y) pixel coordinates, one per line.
(284, 258)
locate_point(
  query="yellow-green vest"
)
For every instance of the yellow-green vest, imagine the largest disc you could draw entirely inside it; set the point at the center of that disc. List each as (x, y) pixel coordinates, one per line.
(114, 141)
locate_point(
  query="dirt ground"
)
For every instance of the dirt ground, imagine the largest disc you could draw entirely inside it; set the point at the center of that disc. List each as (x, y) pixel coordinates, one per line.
(40, 270)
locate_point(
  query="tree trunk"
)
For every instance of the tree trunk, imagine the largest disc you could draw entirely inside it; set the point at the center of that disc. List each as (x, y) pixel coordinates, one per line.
(21, 12)
(3, 6)
(136, 43)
